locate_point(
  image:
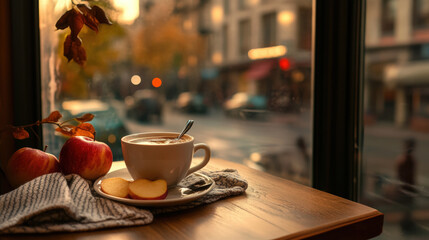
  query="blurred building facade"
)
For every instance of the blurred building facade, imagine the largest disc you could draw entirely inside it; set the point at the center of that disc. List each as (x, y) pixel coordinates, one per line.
(239, 26)
(236, 29)
(279, 29)
(397, 63)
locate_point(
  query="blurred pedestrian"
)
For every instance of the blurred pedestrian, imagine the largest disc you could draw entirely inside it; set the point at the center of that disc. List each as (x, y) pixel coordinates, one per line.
(303, 150)
(406, 166)
(406, 173)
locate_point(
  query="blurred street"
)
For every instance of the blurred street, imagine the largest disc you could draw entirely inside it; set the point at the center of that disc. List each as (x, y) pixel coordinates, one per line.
(238, 139)
(235, 139)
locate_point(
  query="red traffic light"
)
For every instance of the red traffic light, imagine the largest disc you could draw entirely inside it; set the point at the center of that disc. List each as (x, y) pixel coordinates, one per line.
(284, 64)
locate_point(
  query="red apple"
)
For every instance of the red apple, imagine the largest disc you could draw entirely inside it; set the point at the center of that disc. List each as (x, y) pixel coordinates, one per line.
(86, 157)
(144, 189)
(29, 163)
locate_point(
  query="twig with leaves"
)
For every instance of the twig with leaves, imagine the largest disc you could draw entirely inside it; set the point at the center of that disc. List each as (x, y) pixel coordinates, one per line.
(75, 19)
(66, 128)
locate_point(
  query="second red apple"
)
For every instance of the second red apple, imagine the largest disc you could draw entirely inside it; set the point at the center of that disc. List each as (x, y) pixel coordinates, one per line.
(83, 156)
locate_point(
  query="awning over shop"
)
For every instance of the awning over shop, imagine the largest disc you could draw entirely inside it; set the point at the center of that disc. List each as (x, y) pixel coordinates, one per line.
(411, 74)
(258, 70)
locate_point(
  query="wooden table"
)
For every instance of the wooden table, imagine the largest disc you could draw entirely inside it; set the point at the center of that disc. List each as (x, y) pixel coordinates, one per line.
(272, 208)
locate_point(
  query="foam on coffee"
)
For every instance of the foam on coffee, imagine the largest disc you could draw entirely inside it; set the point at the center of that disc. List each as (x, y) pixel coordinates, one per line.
(159, 140)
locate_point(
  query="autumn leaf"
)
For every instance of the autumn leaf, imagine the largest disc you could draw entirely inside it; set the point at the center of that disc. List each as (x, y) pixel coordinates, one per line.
(20, 133)
(67, 48)
(79, 53)
(67, 130)
(76, 22)
(75, 19)
(100, 15)
(63, 22)
(85, 118)
(53, 117)
(73, 49)
(90, 20)
(85, 129)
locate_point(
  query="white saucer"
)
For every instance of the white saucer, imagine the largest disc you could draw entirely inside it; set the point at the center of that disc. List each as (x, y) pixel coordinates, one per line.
(176, 195)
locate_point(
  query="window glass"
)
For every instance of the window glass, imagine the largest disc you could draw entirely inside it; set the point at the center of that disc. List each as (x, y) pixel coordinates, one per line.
(396, 116)
(421, 14)
(269, 25)
(388, 16)
(243, 4)
(244, 37)
(225, 48)
(163, 62)
(226, 7)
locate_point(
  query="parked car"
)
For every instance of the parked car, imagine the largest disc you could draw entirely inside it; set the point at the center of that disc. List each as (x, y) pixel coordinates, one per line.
(191, 103)
(145, 106)
(108, 126)
(244, 105)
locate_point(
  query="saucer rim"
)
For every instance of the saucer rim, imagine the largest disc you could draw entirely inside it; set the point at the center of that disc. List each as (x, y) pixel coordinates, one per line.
(123, 172)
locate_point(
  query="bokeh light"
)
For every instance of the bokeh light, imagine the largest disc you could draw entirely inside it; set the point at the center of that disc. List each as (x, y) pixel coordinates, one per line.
(156, 82)
(111, 138)
(267, 52)
(136, 80)
(285, 17)
(284, 64)
(129, 10)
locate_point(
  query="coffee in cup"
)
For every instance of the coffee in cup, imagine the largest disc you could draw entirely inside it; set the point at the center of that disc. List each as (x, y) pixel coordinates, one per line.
(159, 155)
(156, 140)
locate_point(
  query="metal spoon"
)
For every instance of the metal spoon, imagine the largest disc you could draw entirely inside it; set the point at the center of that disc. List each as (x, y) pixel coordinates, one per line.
(186, 129)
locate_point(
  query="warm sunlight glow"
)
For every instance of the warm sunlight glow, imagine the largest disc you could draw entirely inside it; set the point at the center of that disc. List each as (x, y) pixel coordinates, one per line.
(285, 17)
(268, 52)
(256, 157)
(187, 25)
(79, 106)
(136, 80)
(217, 58)
(254, 2)
(60, 6)
(217, 15)
(129, 10)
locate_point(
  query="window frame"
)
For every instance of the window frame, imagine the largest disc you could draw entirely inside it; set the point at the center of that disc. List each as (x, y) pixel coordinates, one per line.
(338, 32)
(338, 96)
(25, 62)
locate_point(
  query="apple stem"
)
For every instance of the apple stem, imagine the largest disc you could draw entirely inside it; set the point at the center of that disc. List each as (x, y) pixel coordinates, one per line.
(46, 147)
(94, 135)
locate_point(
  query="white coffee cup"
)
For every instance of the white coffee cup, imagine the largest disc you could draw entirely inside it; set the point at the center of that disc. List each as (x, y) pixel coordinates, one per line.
(146, 158)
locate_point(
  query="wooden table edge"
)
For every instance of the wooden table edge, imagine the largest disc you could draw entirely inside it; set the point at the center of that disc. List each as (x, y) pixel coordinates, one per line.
(334, 230)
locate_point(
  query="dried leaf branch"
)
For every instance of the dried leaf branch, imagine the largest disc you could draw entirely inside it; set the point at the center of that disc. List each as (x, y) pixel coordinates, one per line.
(82, 129)
(75, 19)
